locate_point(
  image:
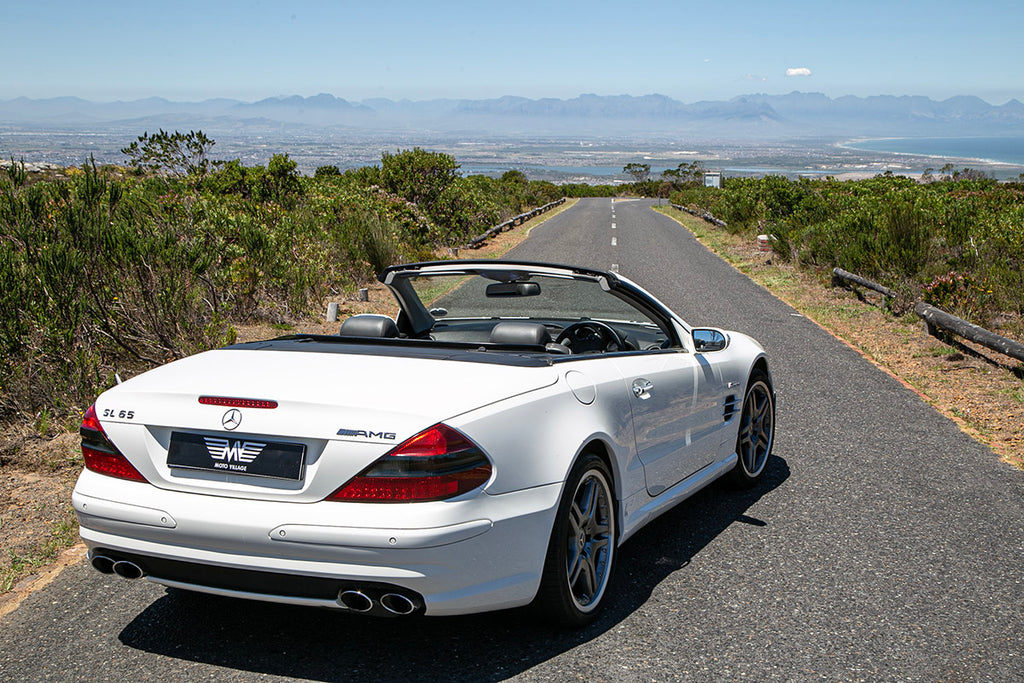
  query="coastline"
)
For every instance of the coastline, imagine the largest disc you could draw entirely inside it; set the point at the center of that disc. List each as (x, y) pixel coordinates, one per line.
(553, 160)
(855, 145)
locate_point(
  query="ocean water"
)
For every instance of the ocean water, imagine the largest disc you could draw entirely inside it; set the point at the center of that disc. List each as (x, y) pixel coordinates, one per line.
(1007, 150)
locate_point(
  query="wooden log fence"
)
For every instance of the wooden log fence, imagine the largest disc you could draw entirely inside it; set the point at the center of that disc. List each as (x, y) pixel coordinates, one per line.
(840, 275)
(701, 214)
(479, 240)
(939, 322)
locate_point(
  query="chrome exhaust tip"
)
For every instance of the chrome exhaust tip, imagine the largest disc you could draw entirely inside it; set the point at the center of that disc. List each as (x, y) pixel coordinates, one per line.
(128, 570)
(396, 603)
(102, 564)
(357, 601)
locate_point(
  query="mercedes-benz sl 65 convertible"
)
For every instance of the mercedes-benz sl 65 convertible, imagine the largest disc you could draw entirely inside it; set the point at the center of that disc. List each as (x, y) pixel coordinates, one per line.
(491, 446)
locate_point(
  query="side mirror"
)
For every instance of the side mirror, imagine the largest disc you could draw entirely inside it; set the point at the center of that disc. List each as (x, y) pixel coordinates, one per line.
(706, 340)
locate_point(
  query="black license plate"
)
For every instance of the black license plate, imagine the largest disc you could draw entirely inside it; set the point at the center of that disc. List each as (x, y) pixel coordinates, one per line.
(236, 455)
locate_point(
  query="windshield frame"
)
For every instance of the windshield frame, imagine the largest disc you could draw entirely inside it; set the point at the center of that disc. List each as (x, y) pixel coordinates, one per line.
(415, 319)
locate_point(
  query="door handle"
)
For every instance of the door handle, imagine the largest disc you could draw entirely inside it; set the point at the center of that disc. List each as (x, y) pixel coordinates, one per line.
(642, 388)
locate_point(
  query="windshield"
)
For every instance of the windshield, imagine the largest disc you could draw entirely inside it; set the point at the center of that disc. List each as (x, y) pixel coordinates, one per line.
(535, 297)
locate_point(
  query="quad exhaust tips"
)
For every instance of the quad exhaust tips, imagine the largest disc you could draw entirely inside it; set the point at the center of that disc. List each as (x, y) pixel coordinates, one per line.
(124, 568)
(373, 599)
(386, 603)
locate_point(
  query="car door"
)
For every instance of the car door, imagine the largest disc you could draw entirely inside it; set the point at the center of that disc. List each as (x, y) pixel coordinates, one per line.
(672, 401)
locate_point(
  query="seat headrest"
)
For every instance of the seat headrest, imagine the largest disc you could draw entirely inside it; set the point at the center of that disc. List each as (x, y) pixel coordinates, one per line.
(369, 325)
(520, 333)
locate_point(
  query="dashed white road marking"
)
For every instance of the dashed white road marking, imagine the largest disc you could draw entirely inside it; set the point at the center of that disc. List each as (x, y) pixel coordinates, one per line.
(613, 226)
(615, 242)
(615, 267)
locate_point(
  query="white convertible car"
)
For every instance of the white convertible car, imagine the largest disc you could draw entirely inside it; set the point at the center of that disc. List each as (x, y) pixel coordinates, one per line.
(491, 446)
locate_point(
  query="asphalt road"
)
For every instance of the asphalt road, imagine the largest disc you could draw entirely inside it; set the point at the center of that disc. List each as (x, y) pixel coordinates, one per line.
(884, 544)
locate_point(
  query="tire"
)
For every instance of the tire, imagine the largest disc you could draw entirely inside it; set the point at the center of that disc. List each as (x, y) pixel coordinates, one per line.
(581, 553)
(756, 434)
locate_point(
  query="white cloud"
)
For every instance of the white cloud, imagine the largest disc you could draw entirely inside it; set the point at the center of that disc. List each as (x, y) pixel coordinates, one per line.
(799, 71)
(754, 77)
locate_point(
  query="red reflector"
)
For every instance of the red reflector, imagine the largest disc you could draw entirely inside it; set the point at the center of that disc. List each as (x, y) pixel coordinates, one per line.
(231, 402)
(110, 464)
(398, 489)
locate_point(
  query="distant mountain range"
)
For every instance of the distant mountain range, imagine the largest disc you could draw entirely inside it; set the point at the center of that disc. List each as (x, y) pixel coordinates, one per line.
(797, 114)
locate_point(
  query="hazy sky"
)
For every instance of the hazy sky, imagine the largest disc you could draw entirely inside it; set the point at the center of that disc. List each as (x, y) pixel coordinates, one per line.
(689, 50)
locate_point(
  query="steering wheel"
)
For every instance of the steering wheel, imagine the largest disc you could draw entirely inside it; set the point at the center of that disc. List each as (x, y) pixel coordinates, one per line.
(591, 336)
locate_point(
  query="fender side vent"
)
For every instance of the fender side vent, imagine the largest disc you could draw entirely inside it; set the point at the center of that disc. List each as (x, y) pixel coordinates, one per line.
(732, 403)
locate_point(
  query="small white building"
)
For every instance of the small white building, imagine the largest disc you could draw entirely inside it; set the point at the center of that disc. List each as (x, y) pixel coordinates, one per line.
(713, 179)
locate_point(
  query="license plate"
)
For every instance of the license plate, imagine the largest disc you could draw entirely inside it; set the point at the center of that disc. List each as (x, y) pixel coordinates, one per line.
(249, 456)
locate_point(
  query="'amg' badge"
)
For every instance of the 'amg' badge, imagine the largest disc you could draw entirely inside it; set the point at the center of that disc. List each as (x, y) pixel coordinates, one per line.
(365, 433)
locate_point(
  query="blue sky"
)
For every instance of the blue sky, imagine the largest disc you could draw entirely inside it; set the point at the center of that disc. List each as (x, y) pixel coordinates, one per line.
(247, 49)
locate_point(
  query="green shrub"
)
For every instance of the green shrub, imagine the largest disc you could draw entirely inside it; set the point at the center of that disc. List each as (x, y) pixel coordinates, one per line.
(102, 274)
(907, 235)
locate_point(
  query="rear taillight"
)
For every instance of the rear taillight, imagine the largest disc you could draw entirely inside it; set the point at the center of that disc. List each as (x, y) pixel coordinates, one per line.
(436, 464)
(99, 454)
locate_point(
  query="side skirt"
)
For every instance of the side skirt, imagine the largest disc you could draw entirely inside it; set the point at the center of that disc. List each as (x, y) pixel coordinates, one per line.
(675, 495)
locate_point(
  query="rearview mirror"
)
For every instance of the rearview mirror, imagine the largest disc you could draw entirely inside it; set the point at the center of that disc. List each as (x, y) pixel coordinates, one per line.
(507, 289)
(706, 340)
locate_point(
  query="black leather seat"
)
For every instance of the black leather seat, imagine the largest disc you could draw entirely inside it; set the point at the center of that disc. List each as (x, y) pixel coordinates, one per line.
(369, 325)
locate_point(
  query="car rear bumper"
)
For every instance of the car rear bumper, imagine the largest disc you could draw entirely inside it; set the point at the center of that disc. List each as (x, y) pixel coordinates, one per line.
(482, 553)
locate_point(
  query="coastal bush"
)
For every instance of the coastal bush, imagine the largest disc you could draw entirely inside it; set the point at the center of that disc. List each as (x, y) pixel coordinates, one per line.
(325, 171)
(172, 153)
(103, 272)
(959, 241)
(91, 275)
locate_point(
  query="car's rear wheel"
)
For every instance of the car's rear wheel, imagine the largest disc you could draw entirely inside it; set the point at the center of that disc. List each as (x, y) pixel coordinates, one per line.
(756, 431)
(579, 562)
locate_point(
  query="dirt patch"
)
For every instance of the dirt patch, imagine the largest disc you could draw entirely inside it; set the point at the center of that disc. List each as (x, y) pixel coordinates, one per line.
(979, 389)
(37, 522)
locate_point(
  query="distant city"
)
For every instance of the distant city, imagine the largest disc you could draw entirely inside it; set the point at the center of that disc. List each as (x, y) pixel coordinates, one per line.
(584, 139)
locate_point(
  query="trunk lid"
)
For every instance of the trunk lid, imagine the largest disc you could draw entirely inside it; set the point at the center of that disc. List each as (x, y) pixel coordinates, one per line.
(344, 409)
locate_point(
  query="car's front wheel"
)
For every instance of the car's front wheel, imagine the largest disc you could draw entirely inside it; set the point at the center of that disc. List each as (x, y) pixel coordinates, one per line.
(578, 566)
(756, 431)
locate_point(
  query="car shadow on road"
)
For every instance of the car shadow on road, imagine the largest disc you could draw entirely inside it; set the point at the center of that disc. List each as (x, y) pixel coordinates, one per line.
(324, 645)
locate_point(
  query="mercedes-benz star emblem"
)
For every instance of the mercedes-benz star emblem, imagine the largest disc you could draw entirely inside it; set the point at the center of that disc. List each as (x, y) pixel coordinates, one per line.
(231, 419)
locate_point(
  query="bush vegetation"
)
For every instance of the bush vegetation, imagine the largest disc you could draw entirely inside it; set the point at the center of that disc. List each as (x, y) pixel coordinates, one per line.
(110, 270)
(956, 242)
